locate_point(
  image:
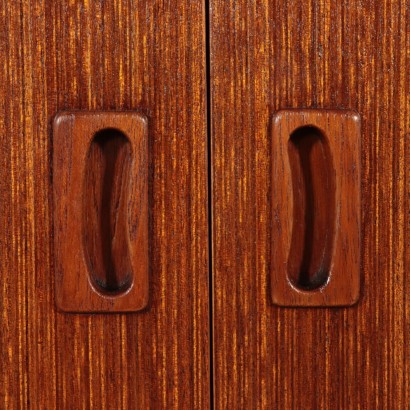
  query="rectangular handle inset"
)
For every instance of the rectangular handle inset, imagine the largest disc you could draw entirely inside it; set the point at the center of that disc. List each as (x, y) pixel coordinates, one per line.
(100, 186)
(315, 257)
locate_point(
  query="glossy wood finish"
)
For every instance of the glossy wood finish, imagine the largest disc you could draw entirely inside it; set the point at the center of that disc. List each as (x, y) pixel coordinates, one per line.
(315, 248)
(104, 55)
(274, 54)
(100, 192)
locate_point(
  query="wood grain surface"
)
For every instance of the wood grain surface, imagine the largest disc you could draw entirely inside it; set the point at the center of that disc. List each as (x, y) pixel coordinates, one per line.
(268, 55)
(315, 196)
(104, 55)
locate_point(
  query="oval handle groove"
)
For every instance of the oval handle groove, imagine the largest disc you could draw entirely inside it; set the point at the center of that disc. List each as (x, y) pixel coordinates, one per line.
(314, 208)
(105, 212)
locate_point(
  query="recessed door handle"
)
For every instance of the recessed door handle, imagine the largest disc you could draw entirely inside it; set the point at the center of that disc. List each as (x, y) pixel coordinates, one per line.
(315, 251)
(100, 185)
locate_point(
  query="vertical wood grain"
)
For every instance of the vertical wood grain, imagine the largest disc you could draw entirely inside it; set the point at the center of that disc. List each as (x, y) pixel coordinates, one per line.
(270, 55)
(104, 55)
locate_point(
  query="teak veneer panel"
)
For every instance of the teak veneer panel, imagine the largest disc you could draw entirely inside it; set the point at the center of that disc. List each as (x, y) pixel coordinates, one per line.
(98, 55)
(269, 55)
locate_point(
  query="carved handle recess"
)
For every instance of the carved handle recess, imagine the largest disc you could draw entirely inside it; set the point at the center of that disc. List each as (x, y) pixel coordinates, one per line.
(315, 258)
(100, 211)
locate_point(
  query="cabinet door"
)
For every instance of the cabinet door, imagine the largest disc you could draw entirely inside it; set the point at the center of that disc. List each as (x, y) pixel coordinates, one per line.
(142, 55)
(272, 55)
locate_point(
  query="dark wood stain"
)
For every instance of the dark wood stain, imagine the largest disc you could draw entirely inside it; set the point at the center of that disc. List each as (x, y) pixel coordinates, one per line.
(314, 217)
(105, 222)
